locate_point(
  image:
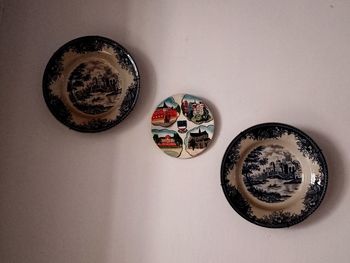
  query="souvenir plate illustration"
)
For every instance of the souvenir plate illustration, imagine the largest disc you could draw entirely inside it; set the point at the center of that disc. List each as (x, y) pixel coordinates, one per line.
(91, 84)
(182, 126)
(274, 175)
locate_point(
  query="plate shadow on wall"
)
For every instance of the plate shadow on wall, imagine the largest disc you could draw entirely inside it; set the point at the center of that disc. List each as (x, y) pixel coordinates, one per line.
(103, 189)
(138, 232)
(71, 179)
(336, 179)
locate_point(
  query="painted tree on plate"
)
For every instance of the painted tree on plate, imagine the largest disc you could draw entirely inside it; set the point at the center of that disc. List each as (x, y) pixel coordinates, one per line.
(253, 162)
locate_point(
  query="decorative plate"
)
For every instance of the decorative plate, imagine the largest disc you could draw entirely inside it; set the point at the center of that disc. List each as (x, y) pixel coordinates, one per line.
(274, 175)
(182, 126)
(91, 84)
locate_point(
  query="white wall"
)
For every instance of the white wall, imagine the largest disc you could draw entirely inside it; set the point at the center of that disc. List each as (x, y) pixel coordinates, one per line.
(113, 196)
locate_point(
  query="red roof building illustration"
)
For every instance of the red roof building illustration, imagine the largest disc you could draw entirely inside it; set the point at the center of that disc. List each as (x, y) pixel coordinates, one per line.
(167, 141)
(164, 114)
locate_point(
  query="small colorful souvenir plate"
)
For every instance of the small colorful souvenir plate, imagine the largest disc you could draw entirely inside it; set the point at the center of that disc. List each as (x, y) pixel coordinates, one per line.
(91, 84)
(274, 175)
(182, 126)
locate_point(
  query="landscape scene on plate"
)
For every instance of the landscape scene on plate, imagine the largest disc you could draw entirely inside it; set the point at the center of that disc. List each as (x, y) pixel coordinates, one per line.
(198, 139)
(93, 87)
(169, 141)
(195, 110)
(166, 113)
(271, 173)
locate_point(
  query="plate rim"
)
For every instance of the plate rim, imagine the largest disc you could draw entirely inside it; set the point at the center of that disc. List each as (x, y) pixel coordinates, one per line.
(293, 129)
(58, 53)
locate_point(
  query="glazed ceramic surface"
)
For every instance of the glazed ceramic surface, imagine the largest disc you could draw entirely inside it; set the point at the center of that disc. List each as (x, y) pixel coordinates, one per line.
(274, 175)
(182, 126)
(91, 84)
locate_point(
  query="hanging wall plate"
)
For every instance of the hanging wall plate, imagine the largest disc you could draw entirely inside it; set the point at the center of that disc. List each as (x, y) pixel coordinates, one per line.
(274, 175)
(91, 84)
(182, 126)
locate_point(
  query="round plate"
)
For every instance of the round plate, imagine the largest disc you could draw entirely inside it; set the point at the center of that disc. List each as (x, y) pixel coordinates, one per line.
(274, 175)
(91, 84)
(182, 126)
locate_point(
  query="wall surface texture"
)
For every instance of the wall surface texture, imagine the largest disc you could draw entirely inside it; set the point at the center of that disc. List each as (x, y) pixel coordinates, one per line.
(69, 197)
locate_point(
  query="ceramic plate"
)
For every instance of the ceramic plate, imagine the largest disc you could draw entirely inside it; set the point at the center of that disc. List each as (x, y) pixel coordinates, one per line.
(91, 84)
(182, 126)
(274, 175)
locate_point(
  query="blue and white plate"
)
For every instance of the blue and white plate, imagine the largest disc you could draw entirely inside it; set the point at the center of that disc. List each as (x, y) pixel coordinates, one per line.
(91, 84)
(274, 175)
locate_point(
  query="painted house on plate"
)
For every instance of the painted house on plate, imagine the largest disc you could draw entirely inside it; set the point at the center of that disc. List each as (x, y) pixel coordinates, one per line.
(167, 142)
(198, 140)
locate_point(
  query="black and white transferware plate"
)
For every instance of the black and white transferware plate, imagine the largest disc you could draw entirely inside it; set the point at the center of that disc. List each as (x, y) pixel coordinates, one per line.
(274, 175)
(91, 84)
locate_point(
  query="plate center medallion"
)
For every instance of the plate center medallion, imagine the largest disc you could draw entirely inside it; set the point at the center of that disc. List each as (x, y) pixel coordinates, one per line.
(271, 173)
(94, 87)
